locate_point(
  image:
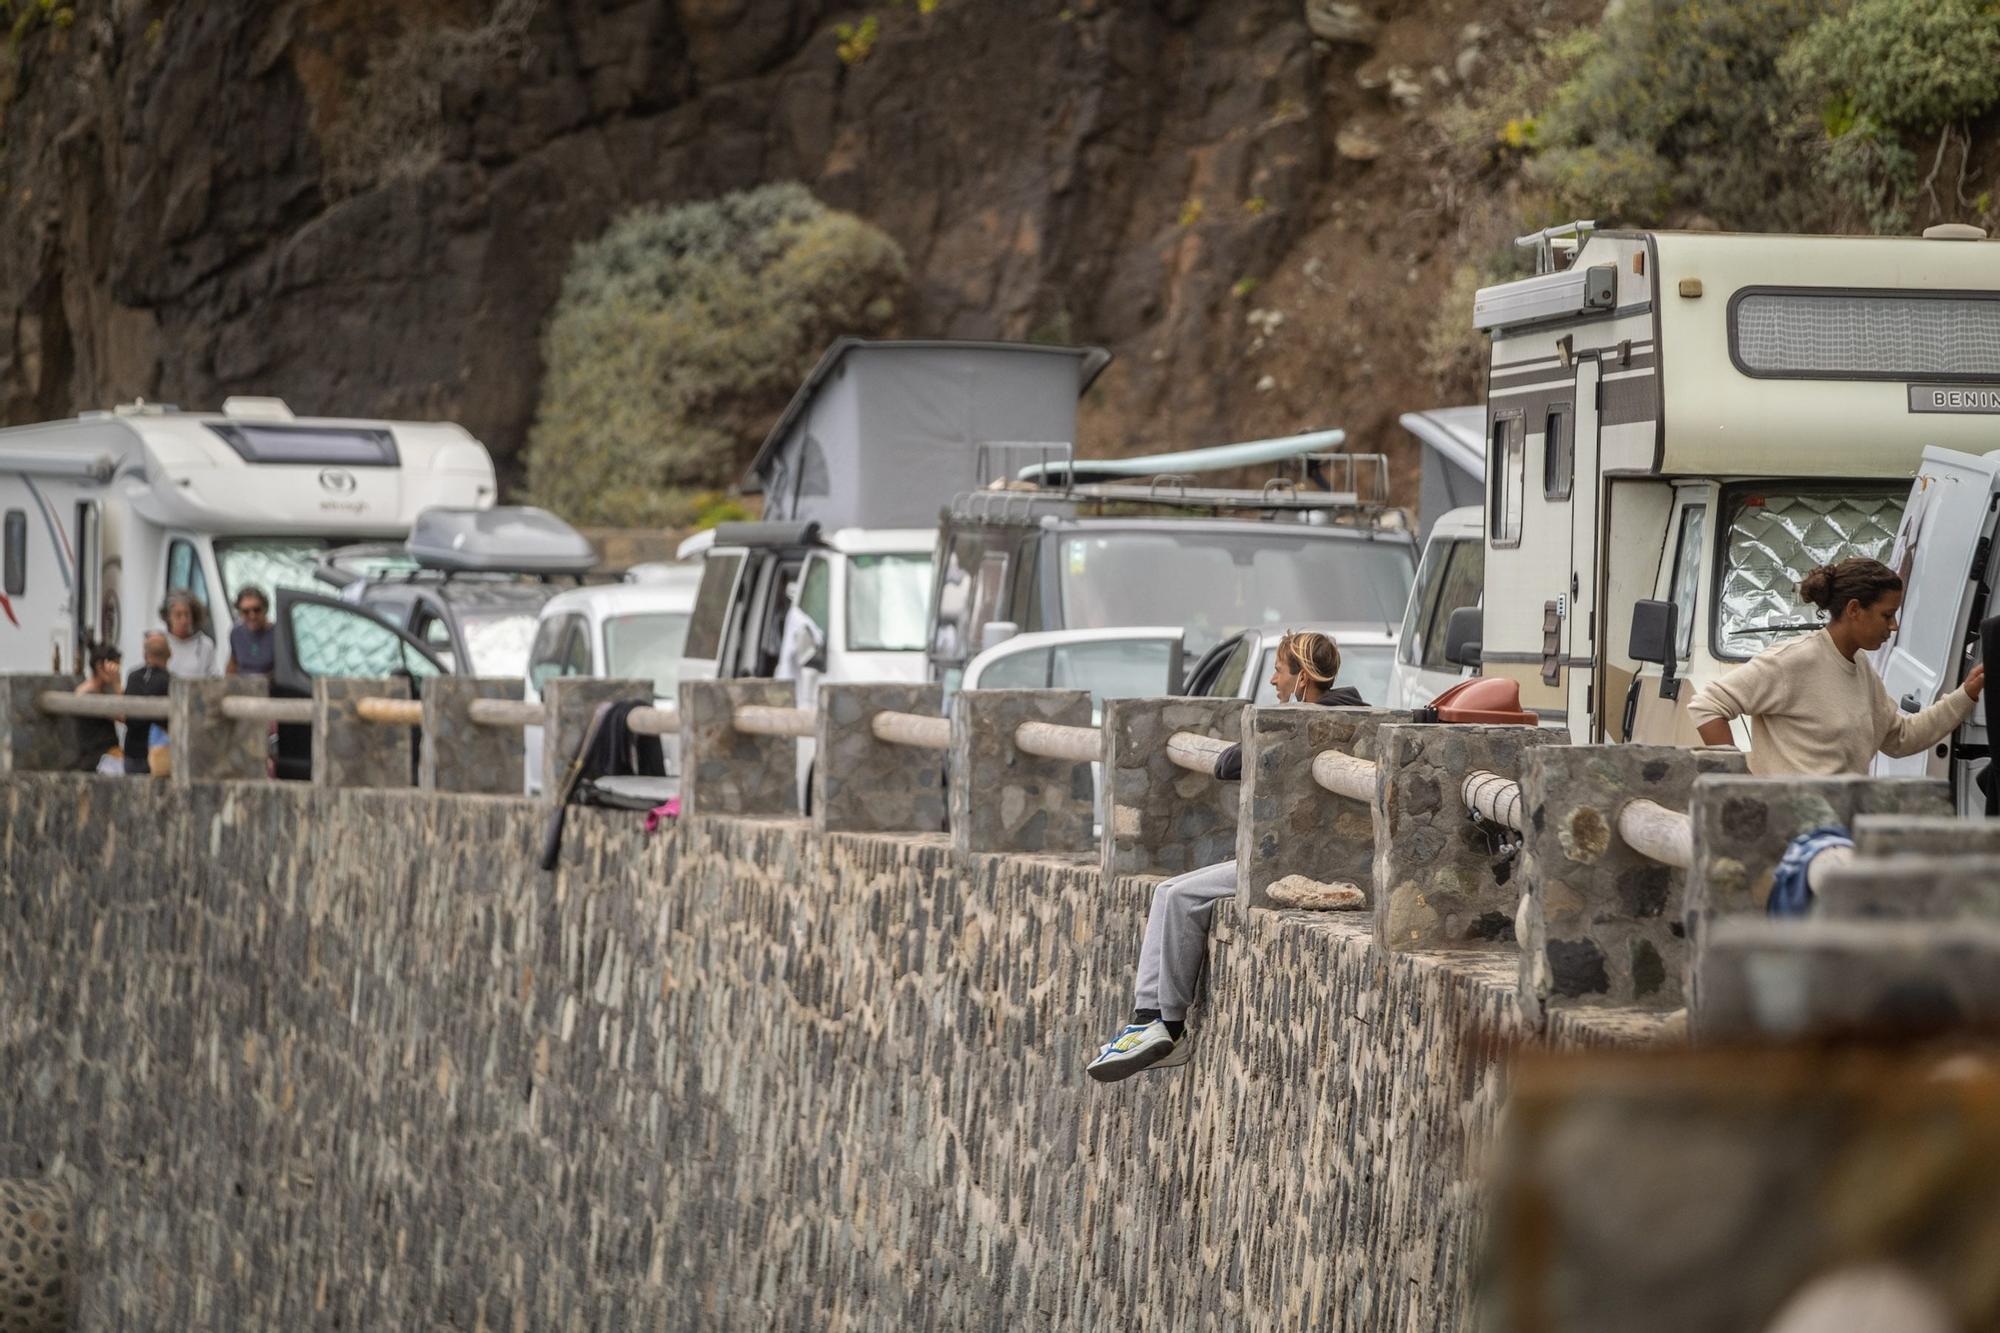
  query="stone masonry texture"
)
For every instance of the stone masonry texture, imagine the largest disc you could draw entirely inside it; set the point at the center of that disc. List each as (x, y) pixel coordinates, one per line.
(729, 772)
(1160, 818)
(1004, 799)
(1439, 881)
(571, 702)
(863, 785)
(460, 755)
(34, 742)
(1603, 925)
(1911, 887)
(1705, 1190)
(348, 752)
(1291, 824)
(209, 746)
(318, 1058)
(1932, 835)
(1742, 826)
(35, 1243)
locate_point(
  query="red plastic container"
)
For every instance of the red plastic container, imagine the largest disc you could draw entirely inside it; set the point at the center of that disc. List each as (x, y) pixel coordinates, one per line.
(1489, 700)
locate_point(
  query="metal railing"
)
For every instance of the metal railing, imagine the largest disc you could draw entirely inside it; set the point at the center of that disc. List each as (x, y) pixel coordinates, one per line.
(1344, 775)
(137, 707)
(918, 730)
(1493, 797)
(1056, 740)
(1196, 753)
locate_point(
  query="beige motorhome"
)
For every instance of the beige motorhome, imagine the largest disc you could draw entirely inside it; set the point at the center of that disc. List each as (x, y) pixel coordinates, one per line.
(1697, 419)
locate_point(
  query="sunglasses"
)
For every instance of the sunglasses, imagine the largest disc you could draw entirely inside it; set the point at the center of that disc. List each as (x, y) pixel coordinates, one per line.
(251, 608)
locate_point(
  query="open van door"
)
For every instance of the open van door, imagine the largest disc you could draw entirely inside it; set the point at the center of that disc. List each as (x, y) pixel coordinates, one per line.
(1943, 551)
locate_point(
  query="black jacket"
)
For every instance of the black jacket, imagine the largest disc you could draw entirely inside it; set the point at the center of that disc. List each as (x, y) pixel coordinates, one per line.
(1230, 766)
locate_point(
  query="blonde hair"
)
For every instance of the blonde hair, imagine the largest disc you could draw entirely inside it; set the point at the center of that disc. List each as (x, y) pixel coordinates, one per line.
(1314, 656)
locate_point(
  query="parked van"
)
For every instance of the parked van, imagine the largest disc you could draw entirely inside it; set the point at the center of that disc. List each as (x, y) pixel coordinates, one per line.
(1451, 576)
(1681, 425)
(103, 515)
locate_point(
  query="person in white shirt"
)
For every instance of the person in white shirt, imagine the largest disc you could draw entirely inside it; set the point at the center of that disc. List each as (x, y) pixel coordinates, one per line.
(800, 641)
(189, 651)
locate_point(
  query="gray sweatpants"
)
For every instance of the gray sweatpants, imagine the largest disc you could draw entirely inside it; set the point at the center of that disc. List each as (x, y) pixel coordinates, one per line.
(1176, 943)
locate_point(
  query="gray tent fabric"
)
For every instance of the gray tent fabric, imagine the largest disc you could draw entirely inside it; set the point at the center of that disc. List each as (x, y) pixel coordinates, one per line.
(1454, 460)
(884, 434)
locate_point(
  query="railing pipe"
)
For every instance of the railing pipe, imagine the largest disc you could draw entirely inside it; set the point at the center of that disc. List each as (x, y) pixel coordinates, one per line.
(765, 720)
(1344, 775)
(1196, 753)
(1652, 830)
(1494, 797)
(913, 729)
(506, 713)
(651, 720)
(1054, 740)
(138, 707)
(391, 712)
(258, 708)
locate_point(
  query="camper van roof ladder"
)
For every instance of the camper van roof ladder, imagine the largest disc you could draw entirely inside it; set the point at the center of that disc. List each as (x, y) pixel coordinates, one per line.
(1551, 243)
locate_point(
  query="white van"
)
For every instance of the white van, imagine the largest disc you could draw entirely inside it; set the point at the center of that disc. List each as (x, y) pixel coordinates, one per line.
(101, 516)
(1681, 425)
(1451, 576)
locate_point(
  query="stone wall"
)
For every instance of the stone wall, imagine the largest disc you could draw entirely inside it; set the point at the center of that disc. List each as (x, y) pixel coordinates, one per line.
(345, 1059)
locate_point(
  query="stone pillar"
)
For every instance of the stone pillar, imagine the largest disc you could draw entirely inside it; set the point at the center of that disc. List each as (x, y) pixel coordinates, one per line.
(34, 742)
(36, 1225)
(1291, 825)
(1760, 978)
(1931, 835)
(1004, 800)
(1742, 826)
(1602, 924)
(728, 772)
(349, 752)
(1438, 883)
(570, 702)
(460, 755)
(1913, 888)
(1160, 818)
(209, 747)
(863, 785)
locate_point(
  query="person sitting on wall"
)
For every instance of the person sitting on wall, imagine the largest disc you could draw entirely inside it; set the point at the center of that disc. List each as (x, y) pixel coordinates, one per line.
(253, 643)
(146, 742)
(1816, 707)
(1175, 947)
(190, 652)
(97, 737)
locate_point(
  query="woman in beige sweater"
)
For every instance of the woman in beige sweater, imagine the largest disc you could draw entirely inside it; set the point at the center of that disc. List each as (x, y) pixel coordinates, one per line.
(1815, 706)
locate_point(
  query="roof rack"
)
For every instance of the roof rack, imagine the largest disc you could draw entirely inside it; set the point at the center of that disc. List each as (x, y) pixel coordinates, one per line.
(1344, 484)
(1551, 243)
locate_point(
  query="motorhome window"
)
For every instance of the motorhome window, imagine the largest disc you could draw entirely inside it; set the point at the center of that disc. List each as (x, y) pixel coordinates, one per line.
(1215, 581)
(269, 563)
(646, 646)
(309, 445)
(1770, 539)
(17, 552)
(184, 572)
(1508, 470)
(885, 602)
(1558, 454)
(711, 605)
(1687, 575)
(1865, 335)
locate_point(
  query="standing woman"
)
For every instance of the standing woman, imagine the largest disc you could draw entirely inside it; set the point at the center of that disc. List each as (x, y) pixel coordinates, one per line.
(190, 652)
(1816, 707)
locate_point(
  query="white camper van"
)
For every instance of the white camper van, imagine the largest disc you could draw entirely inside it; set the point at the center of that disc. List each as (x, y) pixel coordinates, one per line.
(1680, 425)
(102, 515)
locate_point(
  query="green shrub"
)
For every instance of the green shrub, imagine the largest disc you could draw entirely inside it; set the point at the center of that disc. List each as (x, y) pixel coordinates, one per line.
(680, 333)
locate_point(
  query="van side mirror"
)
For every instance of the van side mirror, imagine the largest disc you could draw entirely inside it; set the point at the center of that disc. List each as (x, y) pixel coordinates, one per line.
(1656, 638)
(1463, 631)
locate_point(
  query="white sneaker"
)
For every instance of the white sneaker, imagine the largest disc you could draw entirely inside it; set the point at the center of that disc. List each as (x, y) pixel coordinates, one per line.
(1135, 1048)
(1182, 1052)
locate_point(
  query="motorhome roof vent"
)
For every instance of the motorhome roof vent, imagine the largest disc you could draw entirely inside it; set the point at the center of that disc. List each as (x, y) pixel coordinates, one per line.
(139, 407)
(256, 409)
(1954, 231)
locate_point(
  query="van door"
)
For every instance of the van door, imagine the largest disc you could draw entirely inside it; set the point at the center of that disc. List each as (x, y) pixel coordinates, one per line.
(1945, 538)
(1569, 443)
(721, 569)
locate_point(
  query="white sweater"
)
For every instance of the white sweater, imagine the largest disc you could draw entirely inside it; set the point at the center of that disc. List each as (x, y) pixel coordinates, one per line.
(1816, 713)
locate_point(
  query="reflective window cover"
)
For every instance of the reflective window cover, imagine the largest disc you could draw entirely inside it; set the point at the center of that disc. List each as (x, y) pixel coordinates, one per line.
(1866, 335)
(1773, 540)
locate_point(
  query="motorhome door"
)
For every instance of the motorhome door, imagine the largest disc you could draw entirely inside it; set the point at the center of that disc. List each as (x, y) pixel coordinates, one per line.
(1570, 471)
(1947, 527)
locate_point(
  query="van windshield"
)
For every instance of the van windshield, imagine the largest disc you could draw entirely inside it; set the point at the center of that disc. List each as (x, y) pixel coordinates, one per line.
(1215, 582)
(1773, 538)
(888, 597)
(647, 646)
(269, 563)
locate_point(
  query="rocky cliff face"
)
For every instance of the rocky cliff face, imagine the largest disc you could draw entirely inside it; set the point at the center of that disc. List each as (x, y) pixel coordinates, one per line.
(367, 209)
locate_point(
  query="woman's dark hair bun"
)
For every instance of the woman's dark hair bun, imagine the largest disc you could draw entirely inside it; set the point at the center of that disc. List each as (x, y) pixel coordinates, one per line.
(1855, 579)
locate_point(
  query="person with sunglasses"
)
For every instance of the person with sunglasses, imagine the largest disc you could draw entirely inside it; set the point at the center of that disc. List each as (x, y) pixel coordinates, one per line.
(252, 640)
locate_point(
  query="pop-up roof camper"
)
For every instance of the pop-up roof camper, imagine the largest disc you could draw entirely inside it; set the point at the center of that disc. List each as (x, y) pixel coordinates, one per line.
(105, 513)
(884, 434)
(1693, 421)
